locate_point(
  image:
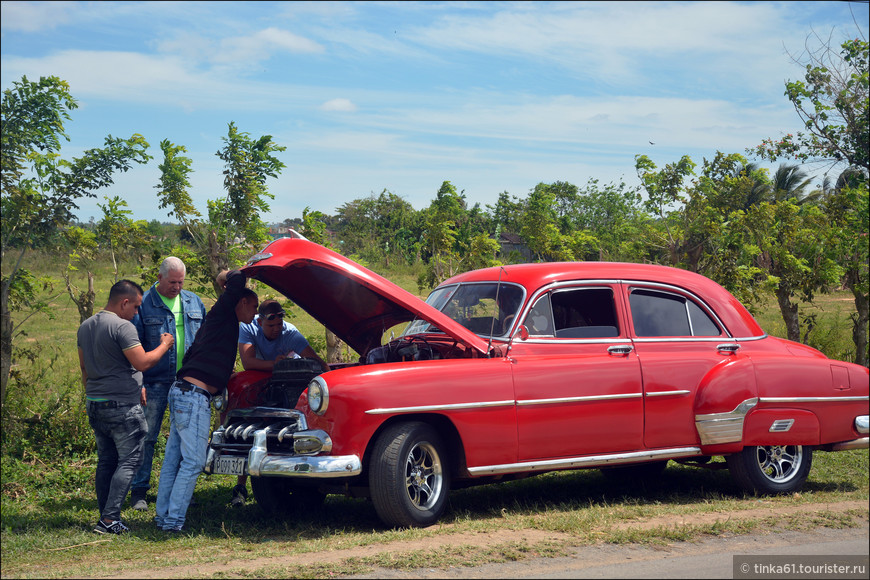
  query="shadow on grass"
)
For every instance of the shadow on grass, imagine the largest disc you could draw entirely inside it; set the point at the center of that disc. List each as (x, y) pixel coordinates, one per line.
(212, 516)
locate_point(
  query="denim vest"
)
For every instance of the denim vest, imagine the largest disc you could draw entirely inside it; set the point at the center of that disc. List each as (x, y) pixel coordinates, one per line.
(154, 318)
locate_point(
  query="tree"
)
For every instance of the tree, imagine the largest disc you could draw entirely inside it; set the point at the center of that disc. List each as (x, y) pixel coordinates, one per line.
(831, 103)
(40, 189)
(796, 246)
(118, 231)
(378, 227)
(233, 226)
(81, 245)
(666, 191)
(849, 211)
(613, 215)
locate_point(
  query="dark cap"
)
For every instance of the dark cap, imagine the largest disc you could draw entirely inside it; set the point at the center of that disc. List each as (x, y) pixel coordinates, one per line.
(268, 307)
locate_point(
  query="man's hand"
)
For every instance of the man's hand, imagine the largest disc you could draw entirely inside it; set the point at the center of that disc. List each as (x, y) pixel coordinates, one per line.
(143, 397)
(167, 339)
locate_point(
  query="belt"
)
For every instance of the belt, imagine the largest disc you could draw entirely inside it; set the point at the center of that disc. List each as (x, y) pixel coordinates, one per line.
(108, 404)
(186, 387)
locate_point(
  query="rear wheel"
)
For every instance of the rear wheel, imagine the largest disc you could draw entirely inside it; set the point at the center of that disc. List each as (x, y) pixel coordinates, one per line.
(408, 477)
(771, 469)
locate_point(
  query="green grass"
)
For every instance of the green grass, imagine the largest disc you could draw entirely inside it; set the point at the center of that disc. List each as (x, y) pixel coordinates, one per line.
(48, 511)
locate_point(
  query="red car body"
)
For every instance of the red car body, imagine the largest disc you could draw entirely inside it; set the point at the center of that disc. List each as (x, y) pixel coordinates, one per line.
(509, 371)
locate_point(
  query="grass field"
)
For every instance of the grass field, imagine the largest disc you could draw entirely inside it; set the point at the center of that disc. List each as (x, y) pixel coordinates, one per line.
(49, 507)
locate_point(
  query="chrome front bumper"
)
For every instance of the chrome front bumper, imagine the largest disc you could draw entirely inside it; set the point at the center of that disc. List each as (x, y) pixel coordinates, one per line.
(262, 463)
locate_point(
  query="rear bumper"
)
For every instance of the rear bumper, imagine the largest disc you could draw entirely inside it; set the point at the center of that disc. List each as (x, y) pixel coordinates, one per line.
(862, 425)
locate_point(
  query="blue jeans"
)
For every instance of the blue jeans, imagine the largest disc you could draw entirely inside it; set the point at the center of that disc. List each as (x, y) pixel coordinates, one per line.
(155, 408)
(186, 449)
(120, 432)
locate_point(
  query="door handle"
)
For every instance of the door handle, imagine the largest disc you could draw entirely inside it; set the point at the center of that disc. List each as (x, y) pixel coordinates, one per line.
(729, 348)
(620, 349)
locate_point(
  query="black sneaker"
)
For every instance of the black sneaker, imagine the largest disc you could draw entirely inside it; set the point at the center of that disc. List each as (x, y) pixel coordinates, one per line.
(116, 527)
(240, 496)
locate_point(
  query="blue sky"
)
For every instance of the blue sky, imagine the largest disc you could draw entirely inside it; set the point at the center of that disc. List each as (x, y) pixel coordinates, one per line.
(367, 96)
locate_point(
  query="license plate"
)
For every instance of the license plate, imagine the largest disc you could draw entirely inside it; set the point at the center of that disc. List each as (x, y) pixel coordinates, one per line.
(229, 465)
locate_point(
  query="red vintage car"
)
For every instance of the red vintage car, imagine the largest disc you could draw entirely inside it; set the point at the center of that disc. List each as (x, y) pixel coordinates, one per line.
(516, 370)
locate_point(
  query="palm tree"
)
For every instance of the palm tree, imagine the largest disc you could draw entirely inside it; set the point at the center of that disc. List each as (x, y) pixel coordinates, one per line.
(791, 183)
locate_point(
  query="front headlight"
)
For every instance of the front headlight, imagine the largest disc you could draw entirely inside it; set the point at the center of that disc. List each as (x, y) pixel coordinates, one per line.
(220, 402)
(318, 395)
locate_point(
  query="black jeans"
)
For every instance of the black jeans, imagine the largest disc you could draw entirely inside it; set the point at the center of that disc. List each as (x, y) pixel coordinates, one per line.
(120, 431)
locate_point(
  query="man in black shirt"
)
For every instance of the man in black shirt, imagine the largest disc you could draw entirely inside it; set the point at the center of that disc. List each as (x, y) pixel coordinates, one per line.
(204, 372)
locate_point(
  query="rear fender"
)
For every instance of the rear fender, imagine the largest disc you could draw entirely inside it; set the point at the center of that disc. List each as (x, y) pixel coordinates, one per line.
(724, 397)
(781, 427)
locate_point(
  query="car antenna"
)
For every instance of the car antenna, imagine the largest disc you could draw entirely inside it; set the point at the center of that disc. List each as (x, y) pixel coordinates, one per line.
(492, 324)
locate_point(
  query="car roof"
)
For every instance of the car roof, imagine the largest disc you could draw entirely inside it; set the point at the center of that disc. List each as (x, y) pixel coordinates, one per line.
(735, 316)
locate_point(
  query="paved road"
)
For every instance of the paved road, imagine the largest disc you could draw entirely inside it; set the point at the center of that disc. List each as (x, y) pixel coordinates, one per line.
(709, 558)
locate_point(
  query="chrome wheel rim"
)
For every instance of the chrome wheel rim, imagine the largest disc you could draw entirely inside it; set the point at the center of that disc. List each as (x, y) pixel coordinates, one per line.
(779, 463)
(423, 476)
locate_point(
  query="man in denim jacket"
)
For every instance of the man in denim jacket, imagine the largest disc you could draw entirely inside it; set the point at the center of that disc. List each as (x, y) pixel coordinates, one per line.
(166, 307)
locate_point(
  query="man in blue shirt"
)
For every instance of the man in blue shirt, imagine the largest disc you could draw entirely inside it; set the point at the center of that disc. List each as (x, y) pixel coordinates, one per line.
(262, 342)
(166, 308)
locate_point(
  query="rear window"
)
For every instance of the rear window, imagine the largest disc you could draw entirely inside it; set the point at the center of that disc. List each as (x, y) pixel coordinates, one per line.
(658, 313)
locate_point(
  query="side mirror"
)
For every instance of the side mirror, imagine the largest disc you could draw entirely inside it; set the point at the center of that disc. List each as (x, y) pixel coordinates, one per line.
(522, 332)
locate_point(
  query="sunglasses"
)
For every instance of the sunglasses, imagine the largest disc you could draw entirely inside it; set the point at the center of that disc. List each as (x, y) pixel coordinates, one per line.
(273, 316)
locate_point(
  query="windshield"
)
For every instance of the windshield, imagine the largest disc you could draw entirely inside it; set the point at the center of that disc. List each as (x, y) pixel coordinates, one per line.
(485, 308)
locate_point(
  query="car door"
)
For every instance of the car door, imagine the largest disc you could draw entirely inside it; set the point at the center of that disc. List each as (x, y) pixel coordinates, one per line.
(678, 341)
(576, 378)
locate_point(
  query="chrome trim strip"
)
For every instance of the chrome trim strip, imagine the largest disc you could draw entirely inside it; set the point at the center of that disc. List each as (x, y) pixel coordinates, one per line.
(579, 399)
(581, 462)
(781, 426)
(666, 393)
(751, 338)
(809, 399)
(714, 428)
(718, 339)
(448, 407)
(549, 340)
(259, 257)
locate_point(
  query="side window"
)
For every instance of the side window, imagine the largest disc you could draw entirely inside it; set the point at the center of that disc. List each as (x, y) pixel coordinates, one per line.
(540, 318)
(584, 313)
(702, 324)
(663, 314)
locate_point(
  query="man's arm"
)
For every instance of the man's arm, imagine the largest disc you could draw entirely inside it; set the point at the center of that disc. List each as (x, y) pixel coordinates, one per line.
(141, 360)
(82, 366)
(250, 362)
(309, 353)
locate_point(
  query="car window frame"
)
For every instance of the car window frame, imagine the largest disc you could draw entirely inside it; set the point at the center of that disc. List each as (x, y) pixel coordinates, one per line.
(687, 296)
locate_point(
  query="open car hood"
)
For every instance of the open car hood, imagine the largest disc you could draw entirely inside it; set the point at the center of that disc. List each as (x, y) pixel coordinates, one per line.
(351, 301)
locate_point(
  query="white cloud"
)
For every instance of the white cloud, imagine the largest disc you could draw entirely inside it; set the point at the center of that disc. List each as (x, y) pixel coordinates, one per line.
(340, 105)
(34, 16)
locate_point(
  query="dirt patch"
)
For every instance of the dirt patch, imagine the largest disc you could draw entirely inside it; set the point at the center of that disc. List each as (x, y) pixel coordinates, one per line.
(242, 567)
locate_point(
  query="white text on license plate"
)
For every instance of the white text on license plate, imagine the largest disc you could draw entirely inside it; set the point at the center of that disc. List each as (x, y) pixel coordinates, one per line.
(230, 465)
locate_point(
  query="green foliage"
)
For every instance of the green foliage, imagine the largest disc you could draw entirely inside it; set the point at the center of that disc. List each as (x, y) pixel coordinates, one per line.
(831, 103)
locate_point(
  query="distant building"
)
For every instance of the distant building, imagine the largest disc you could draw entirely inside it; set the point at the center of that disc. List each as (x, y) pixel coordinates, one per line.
(513, 244)
(279, 231)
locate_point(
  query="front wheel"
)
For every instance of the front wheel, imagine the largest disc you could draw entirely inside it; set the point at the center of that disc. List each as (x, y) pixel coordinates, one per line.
(771, 469)
(408, 477)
